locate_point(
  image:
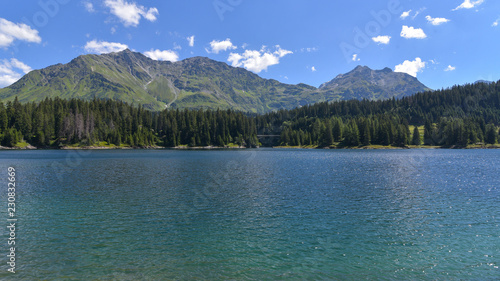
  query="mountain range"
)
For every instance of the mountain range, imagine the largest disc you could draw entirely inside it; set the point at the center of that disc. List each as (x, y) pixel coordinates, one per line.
(197, 82)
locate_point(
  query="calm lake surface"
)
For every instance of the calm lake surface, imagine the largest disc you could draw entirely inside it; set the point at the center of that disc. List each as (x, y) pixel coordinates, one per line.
(254, 215)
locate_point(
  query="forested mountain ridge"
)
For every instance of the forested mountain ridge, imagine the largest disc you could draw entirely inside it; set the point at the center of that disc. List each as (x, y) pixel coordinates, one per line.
(196, 83)
(460, 116)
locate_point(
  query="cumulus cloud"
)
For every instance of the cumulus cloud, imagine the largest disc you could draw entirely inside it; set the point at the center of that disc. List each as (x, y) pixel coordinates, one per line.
(257, 61)
(165, 55)
(411, 67)
(218, 46)
(450, 68)
(355, 57)
(130, 13)
(9, 71)
(412, 33)
(404, 15)
(103, 47)
(10, 31)
(469, 4)
(495, 23)
(436, 21)
(382, 39)
(191, 41)
(313, 69)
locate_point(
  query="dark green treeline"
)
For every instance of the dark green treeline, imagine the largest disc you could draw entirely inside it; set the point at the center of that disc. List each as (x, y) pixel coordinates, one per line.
(458, 116)
(58, 122)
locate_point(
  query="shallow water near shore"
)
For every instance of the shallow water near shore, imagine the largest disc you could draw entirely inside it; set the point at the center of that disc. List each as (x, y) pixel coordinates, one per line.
(263, 214)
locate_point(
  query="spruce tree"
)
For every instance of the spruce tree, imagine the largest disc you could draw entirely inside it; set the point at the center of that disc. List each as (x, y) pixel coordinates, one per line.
(491, 134)
(416, 137)
(428, 133)
(366, 139)
(327, 139)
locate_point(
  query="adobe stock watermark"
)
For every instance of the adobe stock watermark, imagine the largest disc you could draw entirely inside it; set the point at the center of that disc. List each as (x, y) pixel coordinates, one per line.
(72, 160)
(11, 219)
(206, 196)
(362, 37)
(48, 9)
(223, 6)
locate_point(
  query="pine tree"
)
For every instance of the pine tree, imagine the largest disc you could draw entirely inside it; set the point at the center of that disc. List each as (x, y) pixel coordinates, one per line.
(491, 134)
(11, 137)
(285, 137)
(4, 120)
(337, 130)
(416, 137)
(316, 130)
(428, 133)
(365, 136)
(384, 136)
(351, 134)
(327, 138)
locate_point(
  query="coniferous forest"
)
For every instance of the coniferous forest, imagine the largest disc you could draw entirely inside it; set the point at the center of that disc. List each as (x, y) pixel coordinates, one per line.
(455, 117)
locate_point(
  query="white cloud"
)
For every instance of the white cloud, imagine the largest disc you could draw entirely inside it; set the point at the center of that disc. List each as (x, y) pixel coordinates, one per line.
(411, 67)
(436, 21)
(177, 47)
(165, 55)
(313, 69)
(151, 14)
(412, 33)
(469, 4)
(20, 65)
(8, 75)
(382, 39)
(218, 46)
(495, 23)
(450, 68)
(89, 7)
(355, 57)
(191, 41)
(257, 61)
(10, 31)
(404, 15)
(130, 13)
(281, 52)
(103, 47)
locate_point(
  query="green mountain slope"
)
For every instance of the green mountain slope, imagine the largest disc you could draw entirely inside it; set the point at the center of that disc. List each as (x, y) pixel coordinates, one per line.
(365, 83)
(195, 83)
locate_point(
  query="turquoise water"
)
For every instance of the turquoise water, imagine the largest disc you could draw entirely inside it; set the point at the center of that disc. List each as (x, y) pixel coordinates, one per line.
(254, 215)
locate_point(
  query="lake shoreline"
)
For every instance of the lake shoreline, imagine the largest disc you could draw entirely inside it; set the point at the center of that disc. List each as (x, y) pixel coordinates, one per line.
(30, 147)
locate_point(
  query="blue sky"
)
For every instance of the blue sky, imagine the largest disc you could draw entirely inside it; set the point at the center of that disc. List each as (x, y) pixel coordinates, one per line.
(442, 43)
